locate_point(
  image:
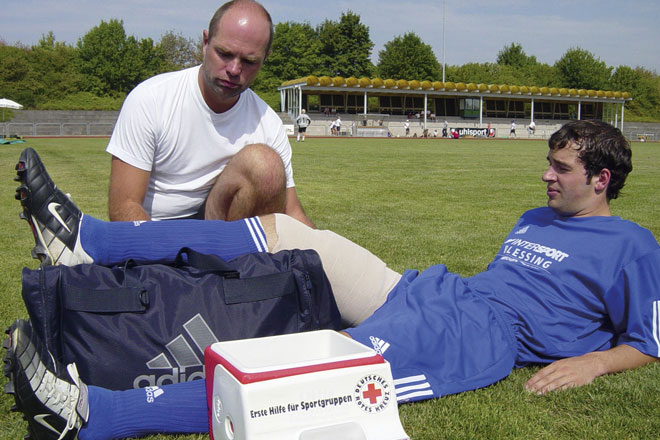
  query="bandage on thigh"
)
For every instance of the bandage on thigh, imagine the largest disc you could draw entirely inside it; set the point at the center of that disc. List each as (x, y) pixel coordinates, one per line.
(359, 279)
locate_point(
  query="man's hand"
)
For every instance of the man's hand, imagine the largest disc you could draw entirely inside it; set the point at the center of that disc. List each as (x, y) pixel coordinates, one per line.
(565, 373)
(582, 370)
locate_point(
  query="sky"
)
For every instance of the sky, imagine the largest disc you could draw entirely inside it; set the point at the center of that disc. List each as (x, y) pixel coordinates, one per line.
(616, 32)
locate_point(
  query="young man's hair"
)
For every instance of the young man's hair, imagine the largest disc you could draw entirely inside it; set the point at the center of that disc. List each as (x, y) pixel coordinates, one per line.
(599, 146)
(230, 4)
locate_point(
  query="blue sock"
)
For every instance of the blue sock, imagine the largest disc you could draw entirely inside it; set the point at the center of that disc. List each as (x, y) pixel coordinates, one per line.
(111, 243)
(174, 409)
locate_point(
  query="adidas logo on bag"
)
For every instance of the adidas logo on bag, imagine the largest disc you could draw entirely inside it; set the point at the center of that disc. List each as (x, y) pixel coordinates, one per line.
(184, 355)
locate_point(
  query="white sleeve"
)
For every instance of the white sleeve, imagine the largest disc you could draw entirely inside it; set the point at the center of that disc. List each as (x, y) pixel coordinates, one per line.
(134, 137)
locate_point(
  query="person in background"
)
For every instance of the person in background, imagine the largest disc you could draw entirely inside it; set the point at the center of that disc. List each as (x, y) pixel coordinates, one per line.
(531, 128)
(303, 121)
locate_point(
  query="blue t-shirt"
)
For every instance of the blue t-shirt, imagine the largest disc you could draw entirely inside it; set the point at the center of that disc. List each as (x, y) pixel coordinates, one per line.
(571, 285)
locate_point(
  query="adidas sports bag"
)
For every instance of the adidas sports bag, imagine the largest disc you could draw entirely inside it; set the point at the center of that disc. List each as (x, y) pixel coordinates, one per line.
(135, 325)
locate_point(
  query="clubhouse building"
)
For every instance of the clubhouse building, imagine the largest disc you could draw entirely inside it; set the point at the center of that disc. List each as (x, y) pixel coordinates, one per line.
(370, 98)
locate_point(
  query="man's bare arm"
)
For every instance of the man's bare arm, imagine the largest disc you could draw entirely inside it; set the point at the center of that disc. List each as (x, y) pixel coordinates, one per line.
(293, 208)
(128, 186)
(582, 370)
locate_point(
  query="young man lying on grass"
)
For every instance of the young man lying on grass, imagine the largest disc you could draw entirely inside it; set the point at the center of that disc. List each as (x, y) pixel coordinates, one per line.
(571, 286)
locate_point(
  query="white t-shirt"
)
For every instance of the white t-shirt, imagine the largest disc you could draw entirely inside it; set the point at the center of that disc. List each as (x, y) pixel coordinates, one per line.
(166, 128)
(303, 120)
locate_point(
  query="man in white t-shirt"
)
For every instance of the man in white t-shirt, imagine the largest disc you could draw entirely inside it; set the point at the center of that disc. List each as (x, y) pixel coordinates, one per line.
(532, 128)
(198, 143)
(303, 121)
(335, 127)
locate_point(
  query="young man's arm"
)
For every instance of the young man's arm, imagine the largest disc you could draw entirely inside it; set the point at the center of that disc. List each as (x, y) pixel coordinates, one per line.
(582, 370)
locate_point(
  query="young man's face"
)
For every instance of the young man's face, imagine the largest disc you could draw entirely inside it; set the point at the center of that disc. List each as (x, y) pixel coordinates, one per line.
(233, 56)
(570, 192)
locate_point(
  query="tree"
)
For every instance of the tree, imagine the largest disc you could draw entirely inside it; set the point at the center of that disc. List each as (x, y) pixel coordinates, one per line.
(179, 52)
(580, 69)
(643, 85)
(112, 62)
(17, 79)
(295, 53)
(514, 55)
(140, 60)
(541, 75)
(36, 75)
(408, 57)
(538, 74)
(484, 73)
(54, 64)
(47, 41)
(345, 47)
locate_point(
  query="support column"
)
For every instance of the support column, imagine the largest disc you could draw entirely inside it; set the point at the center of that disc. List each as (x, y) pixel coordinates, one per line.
(579, 110)
(616, 118)
(481, 111)
(425, 108)
(623, 105)
(609, 114)
(288, 101)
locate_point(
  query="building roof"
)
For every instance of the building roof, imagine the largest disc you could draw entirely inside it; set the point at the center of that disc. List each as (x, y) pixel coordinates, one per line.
(387, 86)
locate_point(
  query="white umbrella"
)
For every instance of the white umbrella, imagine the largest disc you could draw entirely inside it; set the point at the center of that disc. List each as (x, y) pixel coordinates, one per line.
(8, 103)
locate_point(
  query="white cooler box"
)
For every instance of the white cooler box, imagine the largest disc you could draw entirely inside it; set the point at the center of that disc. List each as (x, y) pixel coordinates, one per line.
(307, 386)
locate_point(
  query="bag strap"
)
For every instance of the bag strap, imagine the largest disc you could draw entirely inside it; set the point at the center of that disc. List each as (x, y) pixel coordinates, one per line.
(243, 290)
(240, 290)
(117, 300)
(205, 262)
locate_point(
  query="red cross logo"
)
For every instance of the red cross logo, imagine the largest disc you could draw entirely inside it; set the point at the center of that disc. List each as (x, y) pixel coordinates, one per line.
(372, 393)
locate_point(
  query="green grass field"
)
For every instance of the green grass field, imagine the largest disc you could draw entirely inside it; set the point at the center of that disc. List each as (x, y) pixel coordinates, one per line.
(414, 203)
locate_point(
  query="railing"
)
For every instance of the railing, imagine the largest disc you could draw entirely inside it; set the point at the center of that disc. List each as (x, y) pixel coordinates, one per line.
(644, 137)
(56, 129)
